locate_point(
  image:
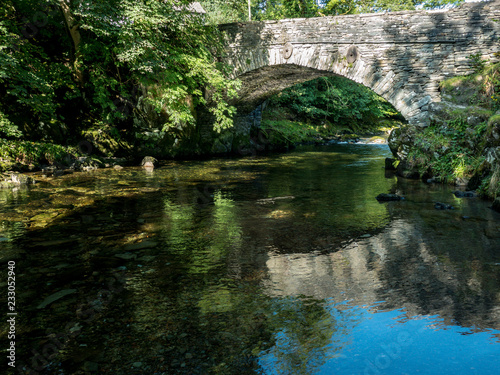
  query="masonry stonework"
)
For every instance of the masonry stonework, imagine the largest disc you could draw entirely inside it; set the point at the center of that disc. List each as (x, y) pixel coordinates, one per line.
(402, 56)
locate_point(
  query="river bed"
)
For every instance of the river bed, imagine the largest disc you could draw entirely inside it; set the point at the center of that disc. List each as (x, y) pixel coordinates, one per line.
(278, 264)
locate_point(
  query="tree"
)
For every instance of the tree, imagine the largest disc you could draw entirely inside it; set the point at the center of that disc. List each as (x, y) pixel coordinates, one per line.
(70, 65)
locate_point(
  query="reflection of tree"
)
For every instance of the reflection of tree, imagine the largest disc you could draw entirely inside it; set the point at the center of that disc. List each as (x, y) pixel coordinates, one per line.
(206, 235)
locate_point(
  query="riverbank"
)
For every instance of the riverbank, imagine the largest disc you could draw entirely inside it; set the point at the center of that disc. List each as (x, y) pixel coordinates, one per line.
(272, 136)
(462, 145)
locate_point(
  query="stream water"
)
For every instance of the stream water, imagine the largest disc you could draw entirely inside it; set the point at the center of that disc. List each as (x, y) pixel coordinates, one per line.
(281, 264)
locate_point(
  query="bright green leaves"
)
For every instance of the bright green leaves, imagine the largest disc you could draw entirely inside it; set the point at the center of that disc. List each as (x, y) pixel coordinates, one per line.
(163, 49)
(335, 99)
(91, 63)
(7, 128)
(29, 81)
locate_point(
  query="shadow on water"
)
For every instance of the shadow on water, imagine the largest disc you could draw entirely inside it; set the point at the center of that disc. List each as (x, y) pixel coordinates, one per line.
(279, 264)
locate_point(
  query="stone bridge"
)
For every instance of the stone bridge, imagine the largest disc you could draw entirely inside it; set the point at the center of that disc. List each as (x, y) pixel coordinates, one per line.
(402, 56)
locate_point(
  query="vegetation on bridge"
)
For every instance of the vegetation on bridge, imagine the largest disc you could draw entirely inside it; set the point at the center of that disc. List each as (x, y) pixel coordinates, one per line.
(225, 11)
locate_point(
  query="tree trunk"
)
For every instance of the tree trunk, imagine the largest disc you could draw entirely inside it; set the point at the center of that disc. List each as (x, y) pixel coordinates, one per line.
(72, 27)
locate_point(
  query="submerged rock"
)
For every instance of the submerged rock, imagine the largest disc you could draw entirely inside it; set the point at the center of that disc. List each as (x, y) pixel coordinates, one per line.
(389, 197)
(465, 194)
(443, 206)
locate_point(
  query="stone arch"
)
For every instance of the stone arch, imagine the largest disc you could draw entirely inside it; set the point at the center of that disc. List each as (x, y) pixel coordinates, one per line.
(402, 56)
(265, 74)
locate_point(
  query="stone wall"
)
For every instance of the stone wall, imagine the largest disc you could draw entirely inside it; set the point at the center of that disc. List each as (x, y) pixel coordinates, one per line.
(402, 56)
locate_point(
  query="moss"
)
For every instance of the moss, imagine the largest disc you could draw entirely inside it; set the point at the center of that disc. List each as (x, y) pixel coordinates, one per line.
(287, 133)
(482, 113)
(480, 88)
(493, 190)
(494, 120)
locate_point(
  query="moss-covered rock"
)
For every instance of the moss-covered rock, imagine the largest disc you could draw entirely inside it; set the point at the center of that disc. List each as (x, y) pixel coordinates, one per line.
(149, 162)
(443, 112)
(401, 140)
(87, 163)
(14, 179)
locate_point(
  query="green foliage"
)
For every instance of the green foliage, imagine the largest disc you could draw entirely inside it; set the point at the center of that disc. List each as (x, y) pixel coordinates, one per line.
(491, 84)
(397, 5)
(341, 7)
(155, 45)
(446, 151)
(334, 100)
(27, 152)
(225, 11)
(56, 80)
(287, 133)
(479, 88)
(278, 9)
(477, 62)
(7, 128)
(31, 82)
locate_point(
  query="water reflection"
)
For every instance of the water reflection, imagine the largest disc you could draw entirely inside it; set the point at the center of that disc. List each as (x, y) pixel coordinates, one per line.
(282, 264)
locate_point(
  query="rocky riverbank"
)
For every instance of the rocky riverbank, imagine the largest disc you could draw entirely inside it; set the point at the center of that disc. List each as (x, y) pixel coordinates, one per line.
(462, 144)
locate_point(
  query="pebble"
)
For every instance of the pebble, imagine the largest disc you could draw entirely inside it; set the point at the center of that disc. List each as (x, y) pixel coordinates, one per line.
(54, 297)
(140, 245)
(126, 256)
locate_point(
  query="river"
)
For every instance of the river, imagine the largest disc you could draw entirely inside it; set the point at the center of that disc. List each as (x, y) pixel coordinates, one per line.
(278, 264)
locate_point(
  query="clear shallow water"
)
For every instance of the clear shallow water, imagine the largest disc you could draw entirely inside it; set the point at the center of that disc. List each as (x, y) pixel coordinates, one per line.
(284, 264)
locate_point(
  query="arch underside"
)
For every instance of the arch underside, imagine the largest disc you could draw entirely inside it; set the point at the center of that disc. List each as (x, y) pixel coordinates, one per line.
(261, 83)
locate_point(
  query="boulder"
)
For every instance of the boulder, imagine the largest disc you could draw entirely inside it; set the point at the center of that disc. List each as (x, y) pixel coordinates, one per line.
(21, 179)
(390, 164)
(86, 164)
(492, 134)
(149, 162)
(401, 141)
